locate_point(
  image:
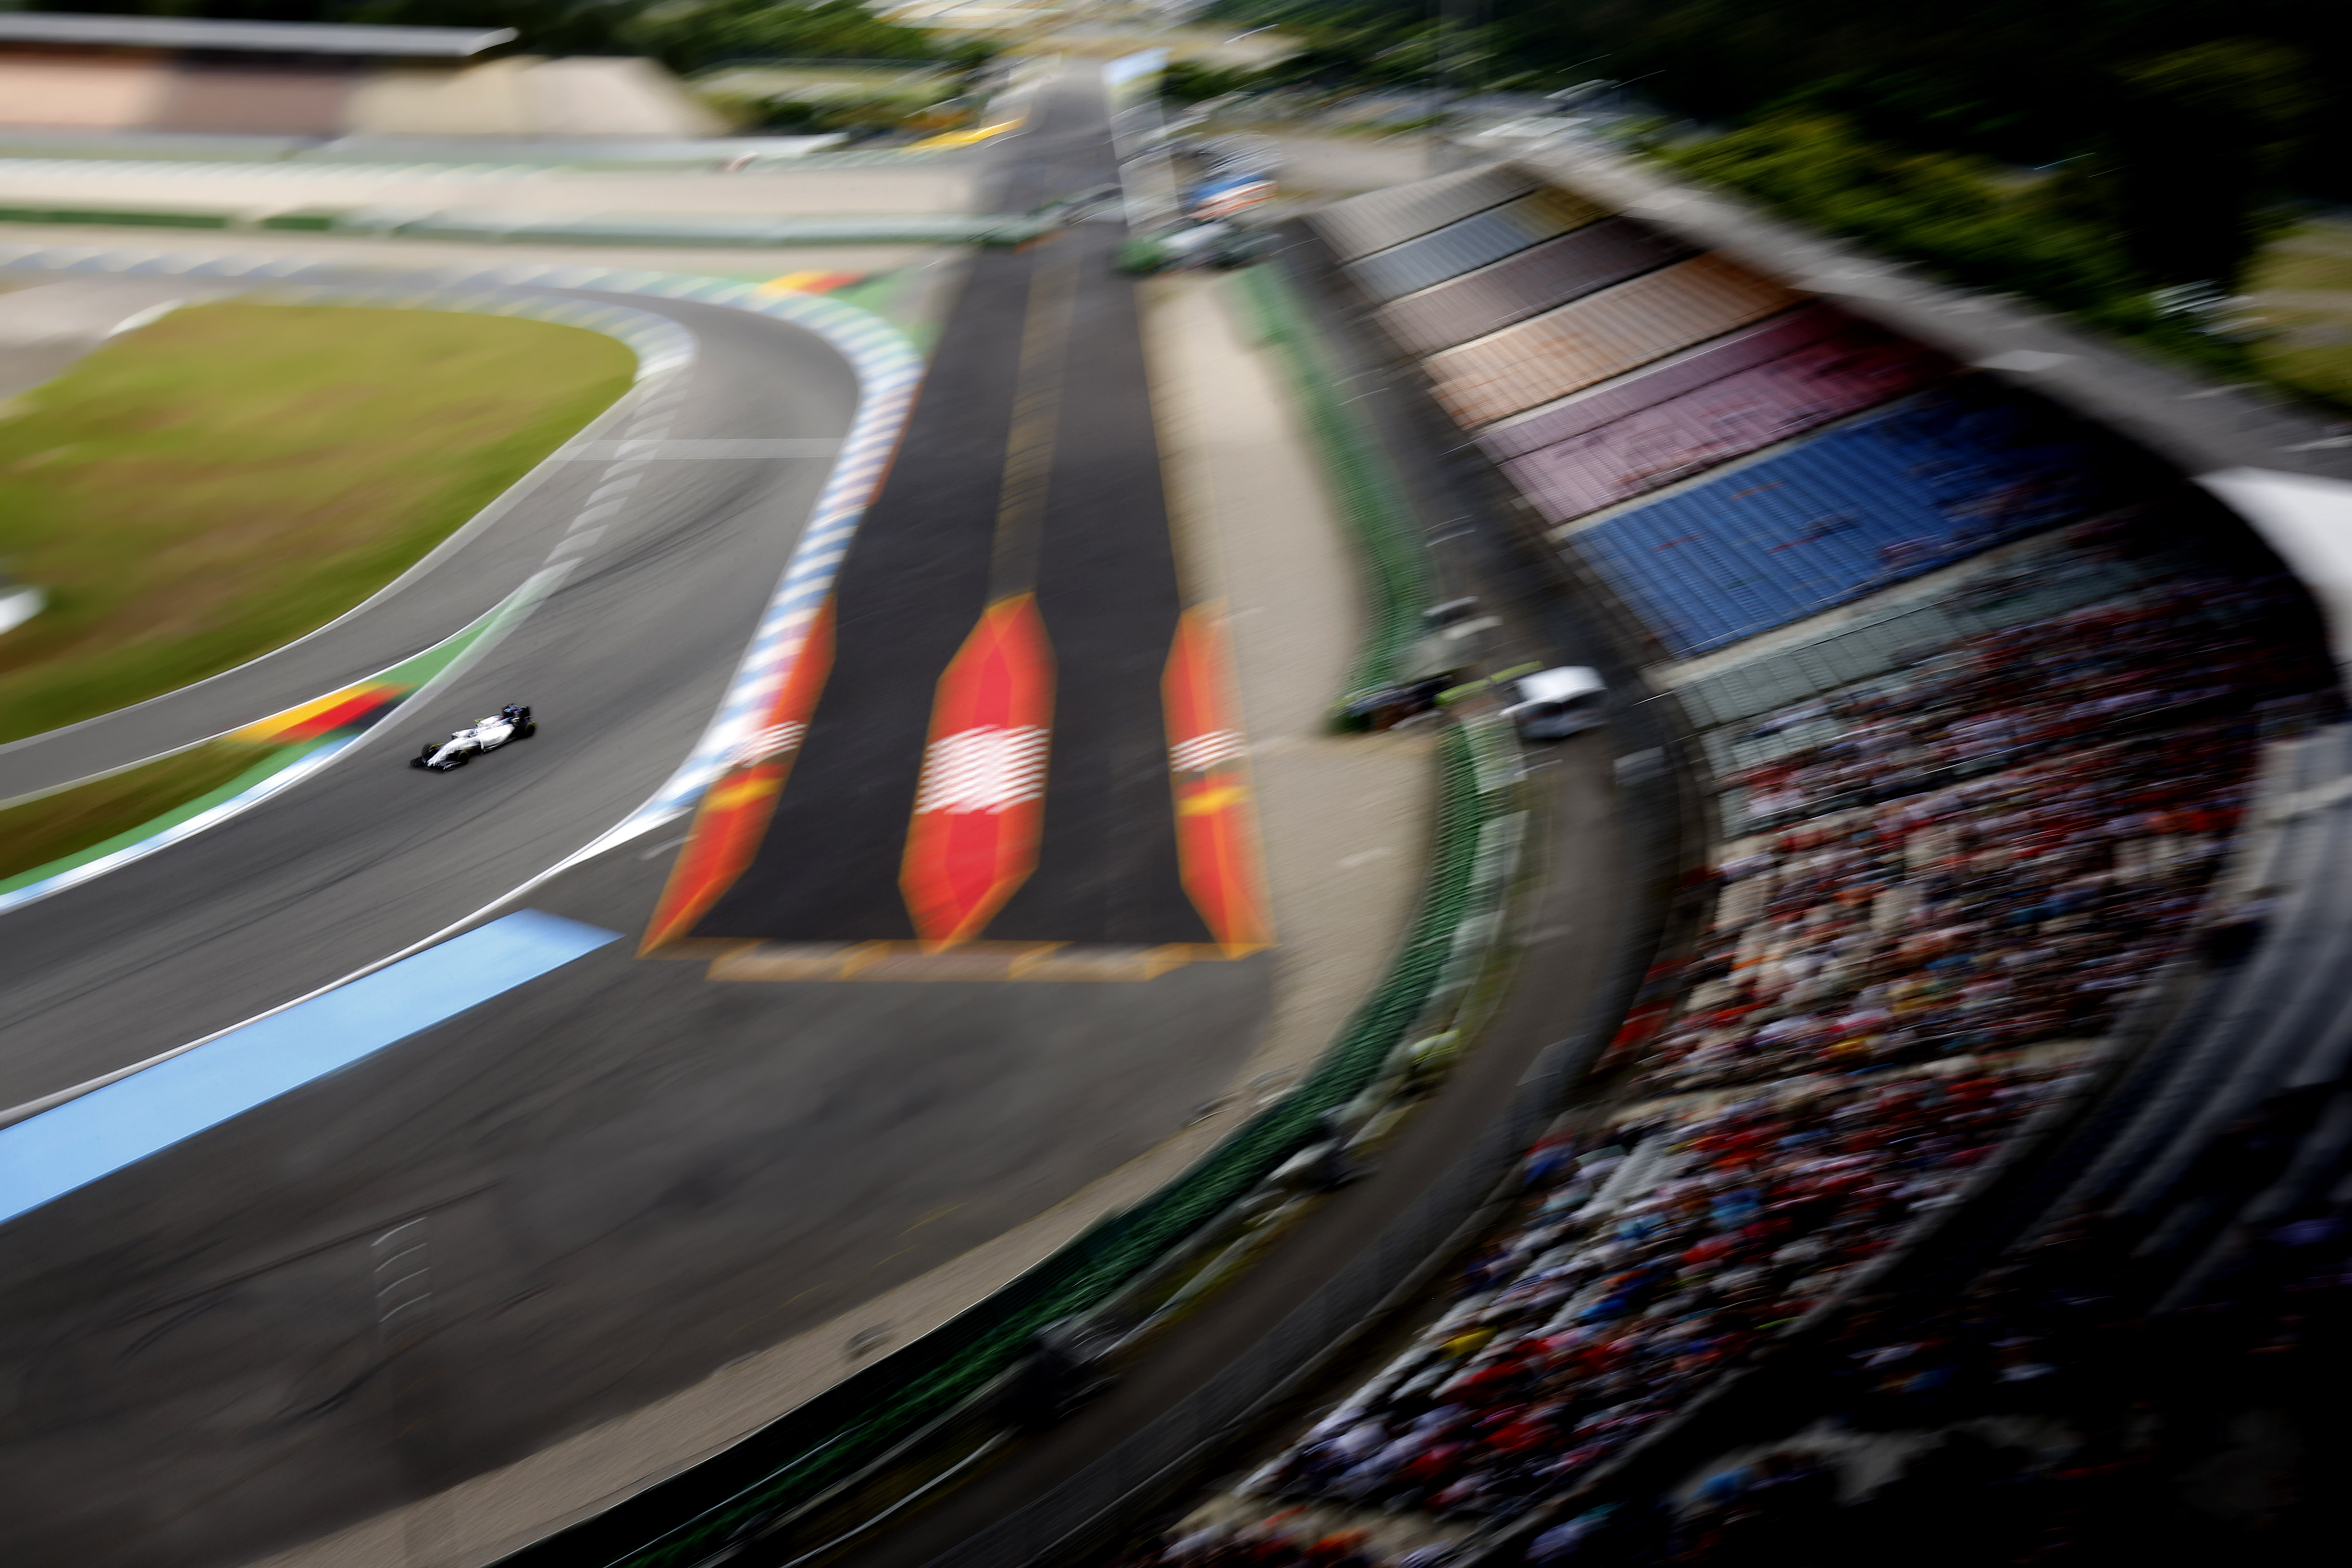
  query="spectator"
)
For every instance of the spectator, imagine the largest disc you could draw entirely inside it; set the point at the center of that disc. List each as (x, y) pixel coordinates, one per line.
(1954, 879)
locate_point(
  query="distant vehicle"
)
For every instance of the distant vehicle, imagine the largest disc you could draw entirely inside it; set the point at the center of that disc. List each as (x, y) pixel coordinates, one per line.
(1184, 246)
(1227, 196)
(512, 722)
(1080, 206)
(1553, 704)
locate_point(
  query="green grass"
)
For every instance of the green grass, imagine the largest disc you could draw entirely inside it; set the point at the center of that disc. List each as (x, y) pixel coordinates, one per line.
(2288, 266)
(2309, 343)
(57, 826)
(212, 485)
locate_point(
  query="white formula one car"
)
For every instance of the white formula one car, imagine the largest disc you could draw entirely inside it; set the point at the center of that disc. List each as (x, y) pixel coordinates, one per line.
(512, 722)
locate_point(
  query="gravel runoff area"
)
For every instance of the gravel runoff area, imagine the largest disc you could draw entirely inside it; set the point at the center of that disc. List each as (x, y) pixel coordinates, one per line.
(1344, 822)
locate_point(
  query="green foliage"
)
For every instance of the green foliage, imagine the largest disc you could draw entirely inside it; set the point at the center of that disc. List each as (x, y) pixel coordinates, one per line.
(2026, 82)
(547, 27)
(1189, 81)
(1967, 218)
(693, 34)
(857, 115)
(1940, 208)
(2195, 152)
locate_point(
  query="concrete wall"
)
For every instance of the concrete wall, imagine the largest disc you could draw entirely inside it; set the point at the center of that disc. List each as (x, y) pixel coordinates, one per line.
(521, 96)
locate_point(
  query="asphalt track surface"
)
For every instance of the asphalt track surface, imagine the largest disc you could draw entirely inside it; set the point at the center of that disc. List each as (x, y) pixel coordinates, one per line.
(624, 1175)
(1095, 550)
(624, 666)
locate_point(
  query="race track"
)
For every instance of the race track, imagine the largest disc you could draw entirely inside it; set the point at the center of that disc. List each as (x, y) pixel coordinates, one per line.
(624, 666)
(483, 562)
(623, 1175)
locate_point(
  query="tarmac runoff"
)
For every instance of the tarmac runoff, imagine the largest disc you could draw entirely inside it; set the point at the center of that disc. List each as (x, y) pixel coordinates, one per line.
(421, 1463)
(1346, 828)
(346, 860)
(361, 861)
(44, 1157)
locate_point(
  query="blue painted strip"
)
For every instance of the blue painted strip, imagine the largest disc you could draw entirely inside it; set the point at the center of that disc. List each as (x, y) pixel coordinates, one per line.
(46, 1156)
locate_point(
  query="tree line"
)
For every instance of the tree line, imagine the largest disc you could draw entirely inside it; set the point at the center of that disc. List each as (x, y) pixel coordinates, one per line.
(2174, 125)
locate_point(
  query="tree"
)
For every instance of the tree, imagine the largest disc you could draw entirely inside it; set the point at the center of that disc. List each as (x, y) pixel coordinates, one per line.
(2199, 144)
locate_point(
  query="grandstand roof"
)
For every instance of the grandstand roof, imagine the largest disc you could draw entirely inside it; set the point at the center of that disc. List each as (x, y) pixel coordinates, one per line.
(252, 37)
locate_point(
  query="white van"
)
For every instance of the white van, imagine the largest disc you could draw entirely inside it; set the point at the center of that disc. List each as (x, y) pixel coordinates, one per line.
(1553, 704)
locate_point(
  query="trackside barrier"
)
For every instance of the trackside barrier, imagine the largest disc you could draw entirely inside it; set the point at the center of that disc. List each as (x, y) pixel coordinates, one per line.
(1396, 577)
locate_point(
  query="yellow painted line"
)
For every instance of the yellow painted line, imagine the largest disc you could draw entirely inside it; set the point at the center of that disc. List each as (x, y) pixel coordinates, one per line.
(970, 138)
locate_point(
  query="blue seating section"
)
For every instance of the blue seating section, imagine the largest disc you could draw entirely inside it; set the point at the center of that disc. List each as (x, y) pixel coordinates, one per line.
(1933, 480)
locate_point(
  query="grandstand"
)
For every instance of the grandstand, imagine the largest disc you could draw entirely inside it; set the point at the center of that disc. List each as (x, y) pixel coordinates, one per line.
(2008, 726)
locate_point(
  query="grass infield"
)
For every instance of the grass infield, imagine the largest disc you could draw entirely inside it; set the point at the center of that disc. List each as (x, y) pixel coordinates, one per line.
(218, 483)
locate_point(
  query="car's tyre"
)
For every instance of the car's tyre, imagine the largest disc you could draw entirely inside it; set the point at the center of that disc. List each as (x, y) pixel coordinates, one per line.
(525, 731)
(461, 759)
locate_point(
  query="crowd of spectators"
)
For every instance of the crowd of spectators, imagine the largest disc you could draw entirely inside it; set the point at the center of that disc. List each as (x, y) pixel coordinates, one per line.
(1913, 912)
(2049, 1417)
(1967, 869)
(1656, 1255)
(2028, 691)
(2044, 1418)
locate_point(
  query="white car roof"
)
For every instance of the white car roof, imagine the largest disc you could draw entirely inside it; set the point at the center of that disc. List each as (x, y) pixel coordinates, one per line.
(1562, 684)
